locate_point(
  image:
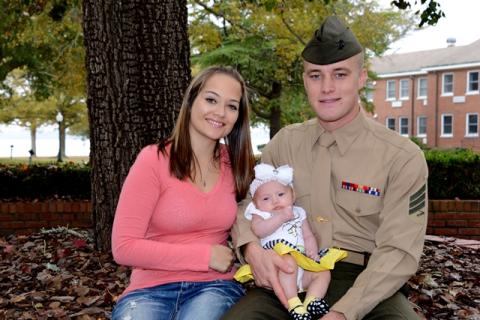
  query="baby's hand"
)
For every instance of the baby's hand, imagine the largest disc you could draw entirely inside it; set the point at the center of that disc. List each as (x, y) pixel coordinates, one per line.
(311, 248)
(312, 255)
(285, 212)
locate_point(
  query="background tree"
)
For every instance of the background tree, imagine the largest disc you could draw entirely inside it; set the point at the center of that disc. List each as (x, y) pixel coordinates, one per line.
(137, 59)
(138, 66)
(263, 39)
(16, 17)
(51, 78)
(21, 107)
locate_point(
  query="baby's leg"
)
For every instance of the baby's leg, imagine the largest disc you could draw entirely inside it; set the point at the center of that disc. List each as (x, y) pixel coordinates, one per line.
(289, 280)
(316, 284)
(289, 284)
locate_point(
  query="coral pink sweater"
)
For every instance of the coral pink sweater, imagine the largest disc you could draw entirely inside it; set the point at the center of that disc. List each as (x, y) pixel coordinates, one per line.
(164, 228)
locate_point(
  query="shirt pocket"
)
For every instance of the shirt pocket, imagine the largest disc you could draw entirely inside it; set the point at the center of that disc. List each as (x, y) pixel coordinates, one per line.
(359, 204)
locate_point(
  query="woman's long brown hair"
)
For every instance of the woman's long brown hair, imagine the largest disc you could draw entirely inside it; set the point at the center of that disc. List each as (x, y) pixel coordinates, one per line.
(238, 141)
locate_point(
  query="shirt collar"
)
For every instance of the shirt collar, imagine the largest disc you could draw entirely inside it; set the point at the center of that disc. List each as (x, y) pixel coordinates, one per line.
(346, 135)
(317, 131)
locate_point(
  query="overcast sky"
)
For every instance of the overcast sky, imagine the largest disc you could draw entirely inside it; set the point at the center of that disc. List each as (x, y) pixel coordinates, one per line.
(461, 21)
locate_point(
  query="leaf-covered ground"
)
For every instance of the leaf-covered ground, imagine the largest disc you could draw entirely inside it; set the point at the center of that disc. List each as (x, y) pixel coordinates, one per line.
(56, 274)
(447, 284)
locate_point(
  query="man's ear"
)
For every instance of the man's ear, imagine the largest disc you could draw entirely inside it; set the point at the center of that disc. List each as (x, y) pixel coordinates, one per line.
(362, 79)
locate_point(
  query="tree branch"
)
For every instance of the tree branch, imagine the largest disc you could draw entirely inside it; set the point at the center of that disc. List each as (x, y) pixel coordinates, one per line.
(219, 14)
(260, 113)
(289, 28)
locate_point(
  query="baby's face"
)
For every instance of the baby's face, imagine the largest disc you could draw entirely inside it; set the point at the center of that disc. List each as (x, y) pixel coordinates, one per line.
(273, 196)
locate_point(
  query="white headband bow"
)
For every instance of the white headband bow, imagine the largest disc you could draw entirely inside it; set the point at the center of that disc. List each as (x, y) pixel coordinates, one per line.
(265, 173)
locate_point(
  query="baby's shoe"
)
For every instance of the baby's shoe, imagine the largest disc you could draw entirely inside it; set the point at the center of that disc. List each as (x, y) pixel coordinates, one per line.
(300, 316)
(318, 307)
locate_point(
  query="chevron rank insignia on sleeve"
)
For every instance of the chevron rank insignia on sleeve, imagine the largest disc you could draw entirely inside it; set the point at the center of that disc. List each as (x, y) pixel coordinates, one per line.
(417, 203)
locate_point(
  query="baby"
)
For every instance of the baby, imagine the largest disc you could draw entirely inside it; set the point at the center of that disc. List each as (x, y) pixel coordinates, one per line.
(276, 220)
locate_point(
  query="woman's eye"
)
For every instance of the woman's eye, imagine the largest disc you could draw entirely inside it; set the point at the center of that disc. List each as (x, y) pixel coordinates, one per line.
(233, 107)
(281, 194)
(211, 100)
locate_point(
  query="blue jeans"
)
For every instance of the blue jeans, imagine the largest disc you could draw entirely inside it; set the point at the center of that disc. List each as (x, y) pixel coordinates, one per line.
(179, 301)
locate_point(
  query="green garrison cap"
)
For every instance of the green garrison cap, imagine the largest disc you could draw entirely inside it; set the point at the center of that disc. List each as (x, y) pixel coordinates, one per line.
(331, 43)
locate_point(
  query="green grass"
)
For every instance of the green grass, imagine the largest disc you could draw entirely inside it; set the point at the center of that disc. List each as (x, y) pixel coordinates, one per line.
(42, 160)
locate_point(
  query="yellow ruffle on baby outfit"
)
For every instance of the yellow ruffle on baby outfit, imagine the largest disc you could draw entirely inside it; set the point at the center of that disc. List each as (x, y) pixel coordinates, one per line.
(327, 261)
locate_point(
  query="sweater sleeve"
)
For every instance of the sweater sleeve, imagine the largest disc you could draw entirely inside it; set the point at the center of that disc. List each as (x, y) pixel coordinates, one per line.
(138, 199)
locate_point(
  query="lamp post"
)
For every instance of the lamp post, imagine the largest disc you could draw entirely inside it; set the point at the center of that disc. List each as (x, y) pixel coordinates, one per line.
(59, 119)
(11, 152)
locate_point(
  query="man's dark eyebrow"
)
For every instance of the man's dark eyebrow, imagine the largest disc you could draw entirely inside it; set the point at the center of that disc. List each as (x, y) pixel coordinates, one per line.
(342, 69)
(335, 70)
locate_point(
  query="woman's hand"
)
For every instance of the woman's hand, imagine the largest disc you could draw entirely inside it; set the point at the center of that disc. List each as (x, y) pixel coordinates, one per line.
(221, 258)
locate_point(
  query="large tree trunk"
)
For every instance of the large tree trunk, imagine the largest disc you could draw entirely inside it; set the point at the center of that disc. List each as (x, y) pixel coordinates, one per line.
(137, 59)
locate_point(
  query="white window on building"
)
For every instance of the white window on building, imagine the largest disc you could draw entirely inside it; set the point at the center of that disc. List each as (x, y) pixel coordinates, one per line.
(422, 88)
(421, 126)
(390, 123)
(447, 125)
(391, 94)
(403, 126)
(472, 125)
(404, 89)
(447, 87)
(473, 82)
(369, 89)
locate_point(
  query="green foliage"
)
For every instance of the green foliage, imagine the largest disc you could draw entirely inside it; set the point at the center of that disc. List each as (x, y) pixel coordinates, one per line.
(419, 143)
(42, 65)
(263, 39)
(428, 15)
(46, 181)
(453, 174)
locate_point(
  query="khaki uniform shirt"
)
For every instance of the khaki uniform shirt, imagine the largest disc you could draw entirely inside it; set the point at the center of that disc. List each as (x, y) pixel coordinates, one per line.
(389, 220)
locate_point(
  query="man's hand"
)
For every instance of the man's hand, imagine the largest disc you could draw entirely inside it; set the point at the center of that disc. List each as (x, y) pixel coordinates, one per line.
(221, 258)
(333, 315)
(265, 265)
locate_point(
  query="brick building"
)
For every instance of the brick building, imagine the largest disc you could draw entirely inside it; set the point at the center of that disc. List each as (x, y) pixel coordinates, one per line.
(433, 95)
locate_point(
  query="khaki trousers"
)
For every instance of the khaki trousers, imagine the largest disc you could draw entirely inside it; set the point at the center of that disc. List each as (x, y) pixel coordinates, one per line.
(262, 304)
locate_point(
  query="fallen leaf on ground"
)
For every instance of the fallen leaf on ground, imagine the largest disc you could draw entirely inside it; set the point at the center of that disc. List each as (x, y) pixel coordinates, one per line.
(57, 274)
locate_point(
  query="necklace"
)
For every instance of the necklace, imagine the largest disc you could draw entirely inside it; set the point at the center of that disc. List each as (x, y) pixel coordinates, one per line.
(203, 179)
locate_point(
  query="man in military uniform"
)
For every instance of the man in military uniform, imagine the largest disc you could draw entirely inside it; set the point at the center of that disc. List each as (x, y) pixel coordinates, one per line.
(362, 185)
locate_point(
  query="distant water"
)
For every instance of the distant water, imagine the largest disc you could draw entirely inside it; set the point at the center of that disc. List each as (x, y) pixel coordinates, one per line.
(47, 142)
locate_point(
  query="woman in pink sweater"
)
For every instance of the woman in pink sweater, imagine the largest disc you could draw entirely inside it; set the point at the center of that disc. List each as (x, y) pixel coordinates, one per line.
(179, 202)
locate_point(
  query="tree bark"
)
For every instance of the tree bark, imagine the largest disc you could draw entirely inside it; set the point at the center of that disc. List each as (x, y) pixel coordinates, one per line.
(275, 120)
(137, 60)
